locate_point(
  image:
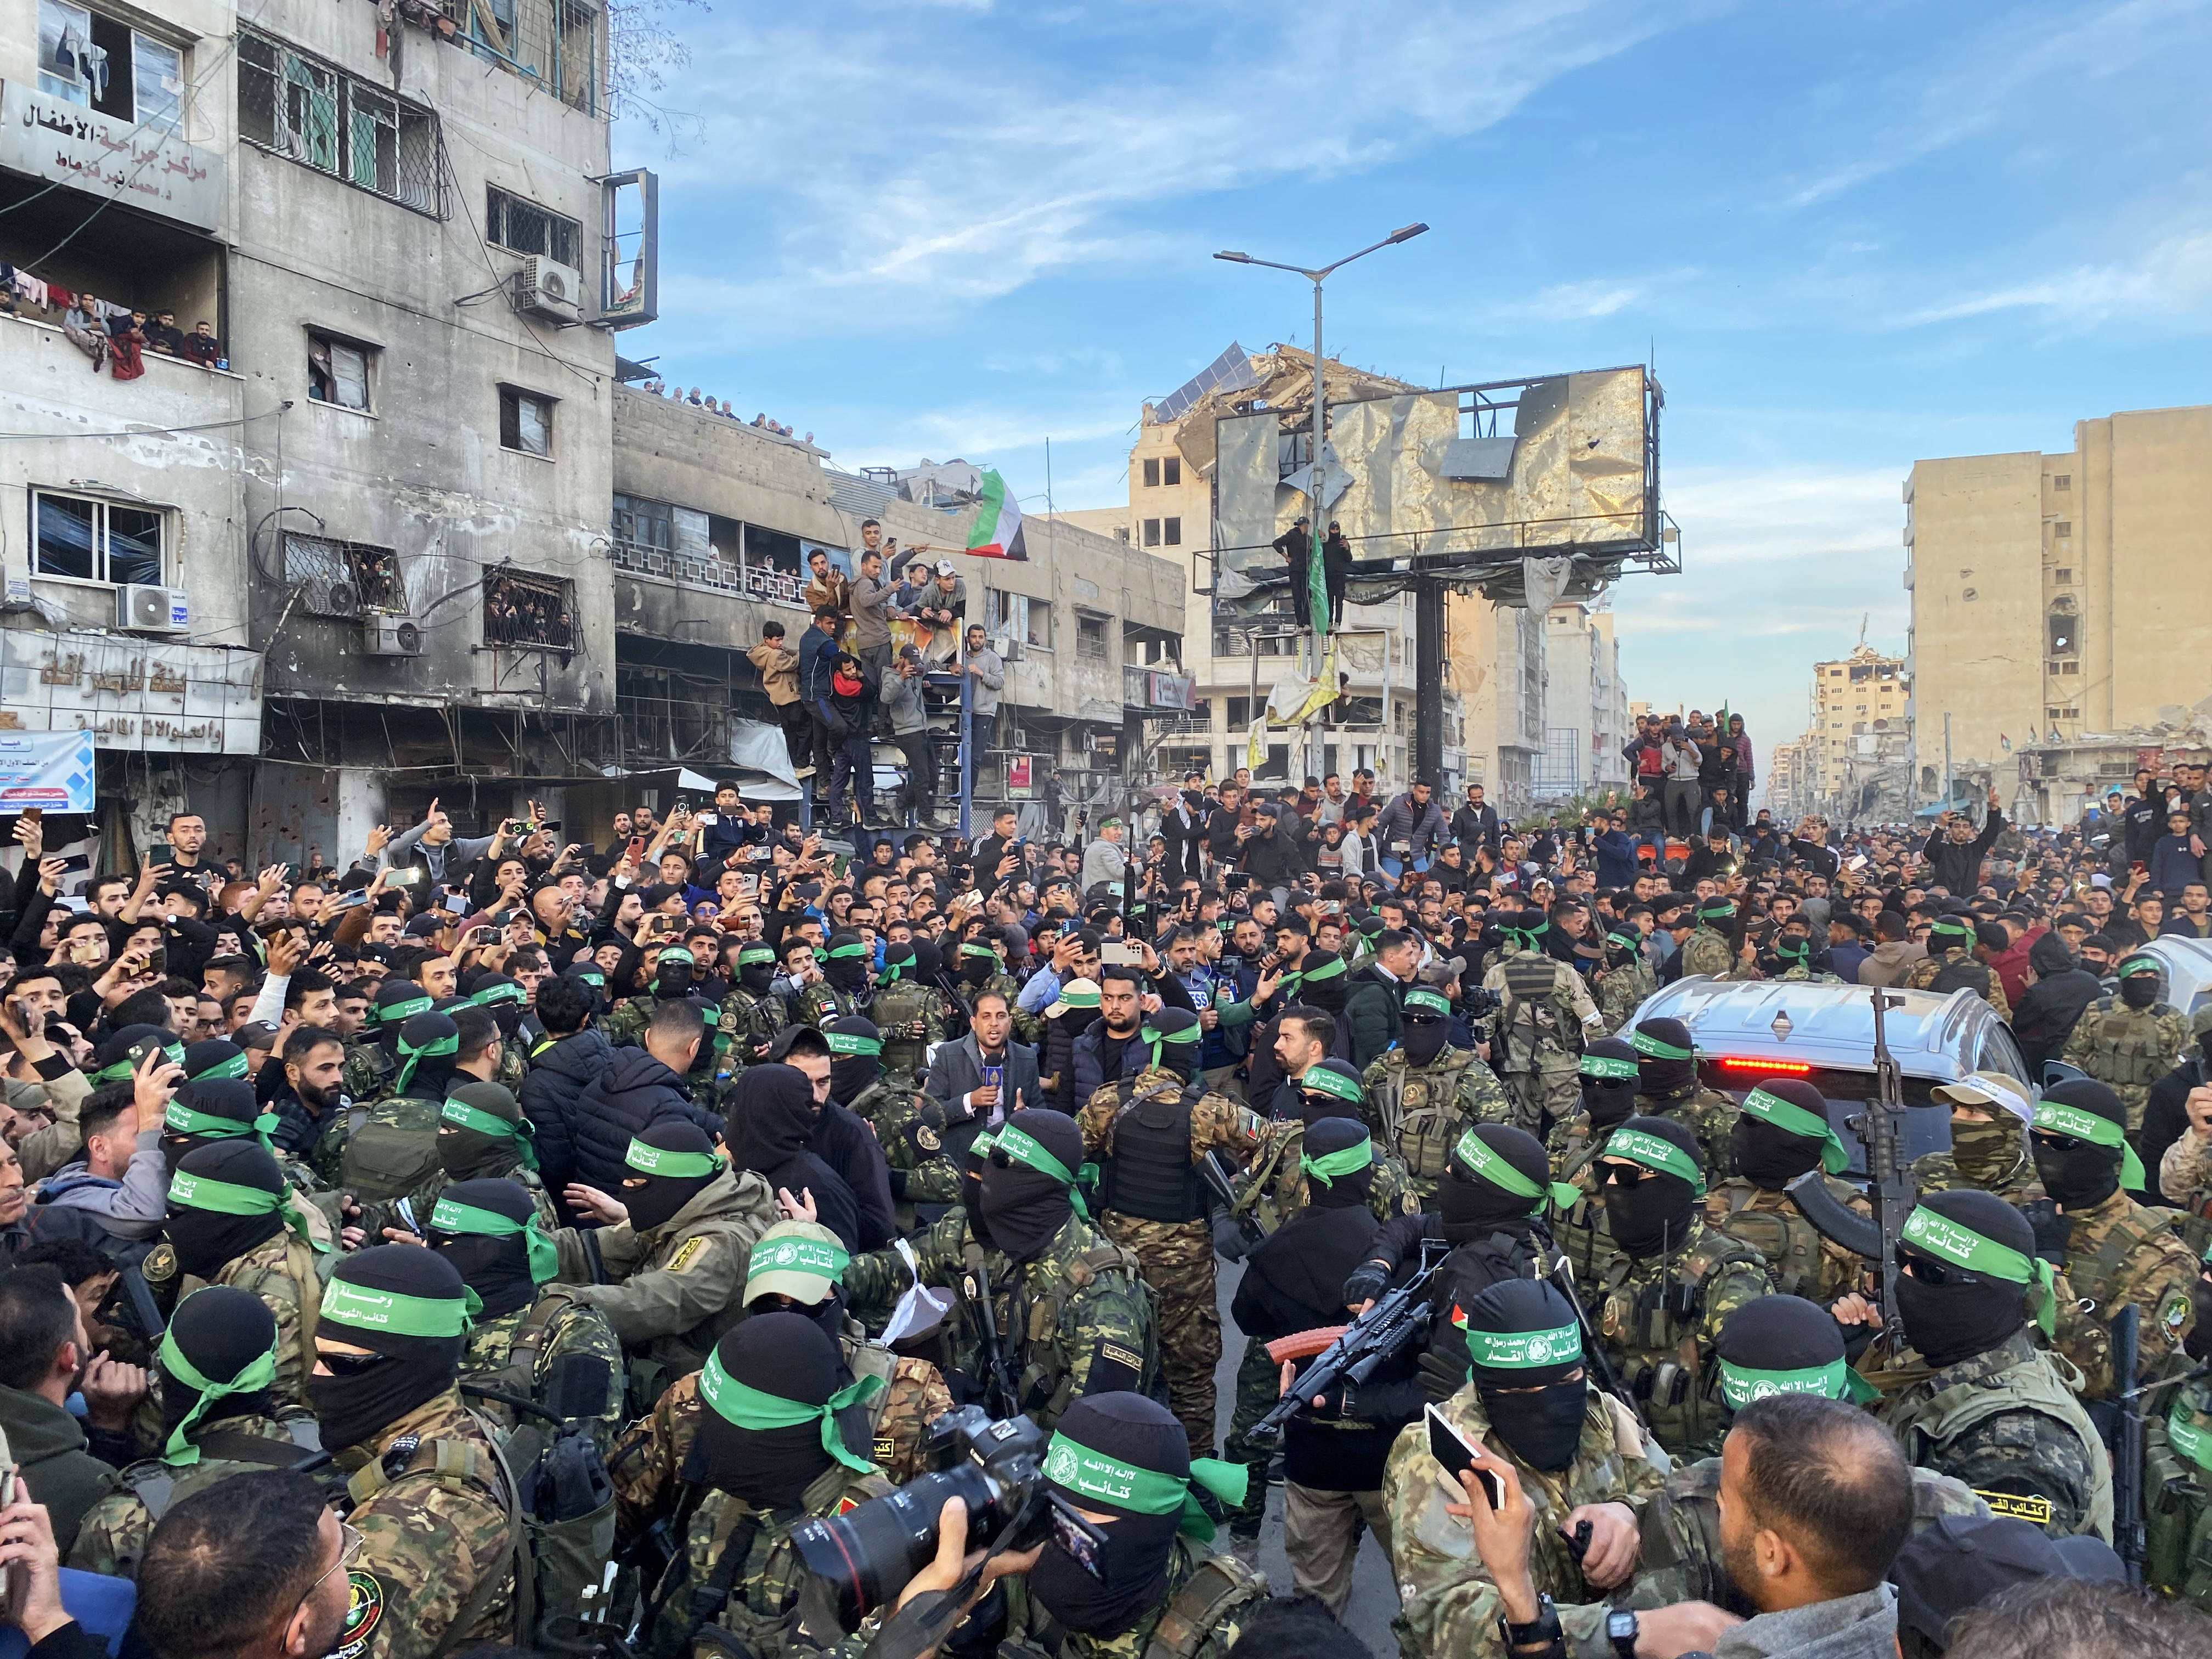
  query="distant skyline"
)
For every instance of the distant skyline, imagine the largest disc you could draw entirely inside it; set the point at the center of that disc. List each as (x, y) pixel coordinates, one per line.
(1847, 237)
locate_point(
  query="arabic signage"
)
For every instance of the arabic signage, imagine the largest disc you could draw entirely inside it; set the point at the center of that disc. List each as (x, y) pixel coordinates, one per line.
(49, 137)
(1173, 692)
(130, 693)
(52, 771)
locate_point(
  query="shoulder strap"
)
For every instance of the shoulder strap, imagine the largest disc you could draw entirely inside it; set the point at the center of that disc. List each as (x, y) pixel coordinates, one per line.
(236, 1446)
(708, 1599)
(1200, 1602)
(154, 1485)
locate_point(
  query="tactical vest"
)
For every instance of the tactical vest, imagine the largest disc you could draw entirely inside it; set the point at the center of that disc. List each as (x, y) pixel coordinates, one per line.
(1535, 1030)
(1046, 1381)
(1959, 972)
(2092, 1276)
(1784, 1237)
(865, 1360)
(901, 1003)
(2177, 1500)
(461, 1465)
(1147, 1172)
(393, 1149)
(2124, 1050)
(1419, 1107)
(1257, 1195)
(1583, 1233)
(1218, 1590)
(223, 1453)
(1653, 1330)
(1951, 1412)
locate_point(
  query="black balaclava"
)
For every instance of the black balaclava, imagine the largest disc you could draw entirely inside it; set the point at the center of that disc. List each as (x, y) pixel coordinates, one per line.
(214, 1059)
(1339, 1192)
(971, 1187)
(495, 1267)
(847, 970)
(1666, 1060)
(400, 1302)
(771, 1118)
(1330, 1088)
(202, 1113)
(207, 1239)
(427, 1043)
(978, 962)
(1522, 1336)
(1177, 1040)
(397, 1001)
(1472, 1205)
(1324, 985)
(1779, 1344)
(856, 1063)
(2089, 1174)
(1654, 1214)
(219, 1330)
(1970, 1313)
(664, 1191)
(1425, 1036)
(1612, 1073)
(594, 983)
(1141, 1433)
(504, 997)
(1027, 1205)
(784, 1355)
(928, 963)
(756, 966)
(2138, 986)
(899, 964)
(120, 1052)
(467, 1145)
(2197, 1345)
(674, 972)
(1769, 1157)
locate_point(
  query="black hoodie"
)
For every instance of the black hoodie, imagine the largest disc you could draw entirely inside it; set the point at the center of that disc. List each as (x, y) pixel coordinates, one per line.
(551, 1097)
(630, 1089)
(2049, 1009)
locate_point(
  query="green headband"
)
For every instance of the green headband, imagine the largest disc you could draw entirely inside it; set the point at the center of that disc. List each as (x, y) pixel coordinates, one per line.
(972, 949)
(1020, 1147)
(260, 1372)
(365, 1308)
(852, 1042)
(1942, 1237)
(1658, 1047)
(1075, 1468)
(122, 1070)
(235, 1067)
(1349, 1160)
(544, 1255)
(841, 952)
(752, 956)
(748, 1407)
(228, 1198)
(1952, 925)
(1324, 1080)
(1331, 966)
(1523, 1351)
(659, 1161)
(818, 1258)
(591, 976)
(1474, 1152)
(523, 1132)
(1740, 1385)
(181, 1119)
(676, 953)
(2183, 1434)
(1794, 1119)
(1716, 912)
(435, 1047)
(508, 993)
(1626, 941)
(395, 1013)
(1656, 1153)
(2099, 1131)
(1798, 948)
(1610, 1068)
(1428, 1002)
(2131, 965)
(1079, 999)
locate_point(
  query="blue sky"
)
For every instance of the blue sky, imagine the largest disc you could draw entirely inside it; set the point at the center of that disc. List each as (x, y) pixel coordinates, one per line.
(1848, 235)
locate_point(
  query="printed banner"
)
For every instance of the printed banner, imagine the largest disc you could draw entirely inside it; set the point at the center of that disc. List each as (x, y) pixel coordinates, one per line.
(52, 770)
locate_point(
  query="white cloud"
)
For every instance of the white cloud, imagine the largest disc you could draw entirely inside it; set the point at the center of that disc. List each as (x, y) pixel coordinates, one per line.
(2172, 279)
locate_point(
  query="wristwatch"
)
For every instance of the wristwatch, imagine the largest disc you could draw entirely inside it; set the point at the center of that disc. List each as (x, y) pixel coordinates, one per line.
(1620, 1631)
(1541, 1633)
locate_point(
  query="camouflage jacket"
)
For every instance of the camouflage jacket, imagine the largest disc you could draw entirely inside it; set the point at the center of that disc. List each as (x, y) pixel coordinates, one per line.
(2007, 1423)
(874, 1283)
(2185, 1171)
(1518, 1042)
(1680, 1560)
(1803, 1262)
(2128, 1048)
(2177, 1474)
(1707, 951)
(1707, 1114)
(287, 1275)
(2119, 1252)
(1938, 1172)
(1921, 976)
(910, 1127)
(432, 1532)
(820, 1005)
(1450, 1603)
(647, 1463)
(1197, 1615)
(750, 1022)
(626, 1021)
(367, 1071)
(1216, 1123)
(515, 1352)
(113, 1534)
(1419, 1112)
(1620, 990)
(910, 1018)
(1273, 1188)
(1583, 1233)
(1659, 1317)
(377, 1214)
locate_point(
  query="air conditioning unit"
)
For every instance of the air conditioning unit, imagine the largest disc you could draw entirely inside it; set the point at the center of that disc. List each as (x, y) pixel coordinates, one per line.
(392, 636)
(1009, 648)
(550, 290)
(152, 609)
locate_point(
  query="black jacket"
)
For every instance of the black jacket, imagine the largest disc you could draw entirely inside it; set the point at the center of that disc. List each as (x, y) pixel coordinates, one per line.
(629, 1092)
(2046, 1016)
(1958, 868)
(1273, 859)
(2166, 1115)
(550, 1095)
(1374, 1006)
(1475, 826)
(849, 1146)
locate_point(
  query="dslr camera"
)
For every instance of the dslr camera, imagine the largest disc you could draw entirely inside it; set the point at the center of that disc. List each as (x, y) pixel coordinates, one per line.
(866, 1556)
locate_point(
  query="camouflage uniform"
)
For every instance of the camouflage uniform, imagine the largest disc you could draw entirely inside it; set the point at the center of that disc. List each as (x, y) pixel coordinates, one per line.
(1803, 1262)
(514, 1353)
(1431, 1107)
(1681, 1558)
(368, 1070)
(874, 1282)
(282, 1271)
(1273, 1188)
(1938, 1172)
(1666, 1358)
(1196, 1615)
(1707, 1114)
(1620, 990)
(2119, 1252)
(431, 1535)
(1583, 1233)
(626, 1022)
(391, 1146)
(1450, 1606)
(2184, 1172)
(376, 1216)
(1708, 951)
(2007, 1423)
(2128, 1049)
(1176, 1257)
(1922, 976)
(749, 1022)
(898, 1009)
(2177, 1474)
(113, 1534)
(1538, 1032)
(910, 1127)
(1801, 975)
(820, 1005)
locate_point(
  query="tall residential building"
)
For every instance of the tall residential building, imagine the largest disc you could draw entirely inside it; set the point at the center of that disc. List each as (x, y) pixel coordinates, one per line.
(1584, 704)
(2055, 596)
(1855, 754)
(1786, 795)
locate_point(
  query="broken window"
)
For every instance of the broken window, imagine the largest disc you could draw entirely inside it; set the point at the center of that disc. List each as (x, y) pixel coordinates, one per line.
(327, 120)
(88, 540)
(526, 422)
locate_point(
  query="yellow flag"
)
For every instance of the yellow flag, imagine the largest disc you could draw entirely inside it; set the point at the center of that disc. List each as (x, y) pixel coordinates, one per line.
(1255, 745)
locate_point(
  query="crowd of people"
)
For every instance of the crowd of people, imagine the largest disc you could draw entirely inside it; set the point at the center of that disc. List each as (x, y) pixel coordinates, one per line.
(116, 337)
(725, 408)
(498, 1241)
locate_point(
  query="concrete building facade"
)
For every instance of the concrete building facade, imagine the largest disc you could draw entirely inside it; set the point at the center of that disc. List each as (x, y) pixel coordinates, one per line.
(1585, 704)
(1856, 752)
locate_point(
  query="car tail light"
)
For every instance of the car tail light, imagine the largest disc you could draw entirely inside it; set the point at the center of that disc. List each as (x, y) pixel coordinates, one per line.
(1772, 1067)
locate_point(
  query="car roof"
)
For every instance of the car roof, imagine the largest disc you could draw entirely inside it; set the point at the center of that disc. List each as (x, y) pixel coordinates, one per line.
(1931, 1034)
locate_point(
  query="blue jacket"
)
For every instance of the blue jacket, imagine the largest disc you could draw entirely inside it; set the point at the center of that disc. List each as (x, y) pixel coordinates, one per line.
(549, 1096)
(630, 1092)
(1089, 1062)
(1616, 859)
(2173, 865)
(817, 654)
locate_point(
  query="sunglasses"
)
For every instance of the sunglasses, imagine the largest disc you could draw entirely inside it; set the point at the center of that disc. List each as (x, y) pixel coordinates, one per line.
(2060, 1142)
(350, 1364)
(1928, 1270)
(1627, 1174)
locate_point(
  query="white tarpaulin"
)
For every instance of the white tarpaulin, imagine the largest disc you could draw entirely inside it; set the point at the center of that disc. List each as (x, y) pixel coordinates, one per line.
(756, 746)
(1542, 582)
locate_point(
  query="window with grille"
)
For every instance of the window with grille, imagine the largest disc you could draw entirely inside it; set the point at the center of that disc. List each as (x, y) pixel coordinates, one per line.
(343, 578)
(321, 118)
(1090, 638)
(523, 609)
(521, 226)
(2062, 481)
(82, 539)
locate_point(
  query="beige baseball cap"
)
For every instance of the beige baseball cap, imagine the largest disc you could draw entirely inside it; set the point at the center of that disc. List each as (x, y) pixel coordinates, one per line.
(802, 1260)
(1987, 1089)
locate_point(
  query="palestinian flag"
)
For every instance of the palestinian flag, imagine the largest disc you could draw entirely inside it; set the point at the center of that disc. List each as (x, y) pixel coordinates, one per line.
(998, 532)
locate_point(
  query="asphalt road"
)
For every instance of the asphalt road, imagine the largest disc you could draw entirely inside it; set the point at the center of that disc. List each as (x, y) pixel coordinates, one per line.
(1374, 1597)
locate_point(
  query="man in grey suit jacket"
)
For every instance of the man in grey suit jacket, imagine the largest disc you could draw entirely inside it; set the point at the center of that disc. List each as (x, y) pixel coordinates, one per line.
(958, 1072)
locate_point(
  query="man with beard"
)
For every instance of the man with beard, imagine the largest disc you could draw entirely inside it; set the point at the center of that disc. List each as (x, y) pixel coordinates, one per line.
(2112, 1250)
(1783, 1132)
(1661, 1310)
(2131, 1041)
(1147, 1136)
(1273, 1186)
(233, 1220)
(982, 973)
(2178, 1462)
(507, 1002)
(258, 1566)
(1558, 1448)
(843, 989)
(1987, 1403)
(770, 1450)
(1667, 1087)
(216, 1360)
(1545, 1016)
(1988, 1140)
(664, 1264)
(751, 1014)
(1423, 1093)
(45, 1357)
(909, 1012)
(1777, 1345)
(311, 1096)
(1610, 1076)
(493, 1230)
(972, 1084)
(481, 1135)
(773, 1120)
(435, 1512)
(798, 1267)
(1112, 1048)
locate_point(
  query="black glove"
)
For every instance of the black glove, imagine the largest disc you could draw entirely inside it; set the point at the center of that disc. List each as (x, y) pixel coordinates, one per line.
(1368, 1282)
(1227, 1237)
(898, 1183)
(1440, 1378)
(2053, 1231)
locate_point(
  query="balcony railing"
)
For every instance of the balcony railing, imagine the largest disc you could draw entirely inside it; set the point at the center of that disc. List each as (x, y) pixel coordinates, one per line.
(745, 580)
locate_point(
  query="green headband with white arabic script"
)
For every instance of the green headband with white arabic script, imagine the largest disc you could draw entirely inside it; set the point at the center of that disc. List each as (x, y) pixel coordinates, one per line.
(182, 1120)
(126, 1068)
(1348, 1160)
(1954, 1241)
(1085, 1472)
(198, 1192)
(1422, 1000)
(544, 1255)
(1524, 1351)
(1794, 1120)
(521, 1131)
(365, 1308)
(650, 1160)
(258, 1373)
(398, 1013)
(817, 1258)
(852, 1042)
(748, 1407)
(1656, 1153)
(1327, 1080)
(1482, 1159)
(752, 956)
(1020, 1147)
(1741, 1384)
(235, 1067)
(1658, 1047)
(1609, 1068)
(2061, 1120)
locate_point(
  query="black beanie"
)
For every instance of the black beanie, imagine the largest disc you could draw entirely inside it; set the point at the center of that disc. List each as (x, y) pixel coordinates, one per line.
(1780, 1333)
(205, 1059)
(221, 1330)
(1474, 1204)
(1666, 1055)
(120, 1052)
(1517, 1305)
(1130, 1428)
(856, 1063)
(1340, 1192)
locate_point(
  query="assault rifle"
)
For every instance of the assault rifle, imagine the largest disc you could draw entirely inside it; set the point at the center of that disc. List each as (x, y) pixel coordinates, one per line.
(2128, 1536)
(1397, 1320)
(1220, 1178)
(1002, 1397)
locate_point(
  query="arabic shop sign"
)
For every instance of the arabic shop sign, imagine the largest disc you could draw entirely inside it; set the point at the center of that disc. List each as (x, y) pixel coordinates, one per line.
(131, 695)
(51, 139)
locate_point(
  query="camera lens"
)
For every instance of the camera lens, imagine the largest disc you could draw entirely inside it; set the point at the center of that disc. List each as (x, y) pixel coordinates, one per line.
(868, 1555)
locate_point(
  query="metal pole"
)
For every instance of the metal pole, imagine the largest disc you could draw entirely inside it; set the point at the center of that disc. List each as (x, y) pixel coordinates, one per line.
(1947, 790)
(1428, 681)
(1313, 496)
